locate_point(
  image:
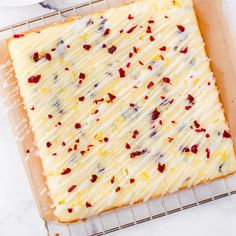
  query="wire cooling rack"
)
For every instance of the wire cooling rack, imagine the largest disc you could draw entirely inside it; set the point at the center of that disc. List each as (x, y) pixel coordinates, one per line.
(128, 216)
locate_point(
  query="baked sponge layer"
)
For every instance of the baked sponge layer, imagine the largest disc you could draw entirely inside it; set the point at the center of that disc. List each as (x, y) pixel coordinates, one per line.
(123, 106)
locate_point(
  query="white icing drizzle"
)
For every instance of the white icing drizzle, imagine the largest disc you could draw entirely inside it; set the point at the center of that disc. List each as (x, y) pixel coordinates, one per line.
(57, 94)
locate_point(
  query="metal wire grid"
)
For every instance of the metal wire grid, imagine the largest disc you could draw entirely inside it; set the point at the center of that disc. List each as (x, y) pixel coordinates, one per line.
(125, 217)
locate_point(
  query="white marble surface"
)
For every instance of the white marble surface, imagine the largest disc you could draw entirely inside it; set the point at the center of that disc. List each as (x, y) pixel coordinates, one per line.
(18, 214)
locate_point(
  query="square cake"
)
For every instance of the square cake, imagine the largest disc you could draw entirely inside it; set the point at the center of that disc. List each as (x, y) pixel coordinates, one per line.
(123, 106)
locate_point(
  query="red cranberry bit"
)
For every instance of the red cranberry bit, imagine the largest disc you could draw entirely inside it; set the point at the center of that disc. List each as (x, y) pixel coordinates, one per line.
(81, 99)
(53, 49)
(67, 69)
(32, 108)
(70, 210)
(160, 122)
(75, 147)
(34, 79)
(112, 97)
(122, 73)
(50, 116)
(77, 125)
(107, 31)
(135, 154)
(161, 167)
(181, 28)
(150, 67)
(131, 29)
(68, 46)
(93, 178)
(63, 144)
(141, 63)
(135, 133)
(135, 50)
(112, 49)
(170, 139)
(66, 171)
(118, 189)
(226, 134)
(188, 108)
(36, 56)
(197, 125)
(166, 80)
(82, 76)
(48, 144)
(151, 84)
(128, 65)
(106, 139)
(186, 149)
(209, 83)
(127, 146)
(151, 21)
(146, 97)
(88, 204)
(131, 55)
(16, 36)
(113, 180)
(27, 151)
(69, 150)
(130, 17)
(184, 50)
(104, 45)
(163, 49)
(155, 114)
(82, 152)
(149, 30)
(208, 153)
(70, 189)
(131, 180)
(87, 47)
(77, 140)
(190, 99)
(194, 149)
(48, 56)
(152, 38)
(54, 154)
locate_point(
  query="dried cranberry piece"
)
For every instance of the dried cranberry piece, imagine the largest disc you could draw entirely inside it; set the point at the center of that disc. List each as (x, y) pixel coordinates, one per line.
(161, 167)
(118, 189)
(50, 116)
(194, 149)
(155, 114)
(82, 76)
(151, 84)
(34, 79)
(208, 153)
(127, 146)
(36, 56)
(87, 47)
(66, 171)
(70, 210)
(112, 49)
(190, 99)
(166, 80)
(135, 50)
(81, 99)
(77, 125)
(93, 178)
(70, 189)
(184, 50)
(48, 56)
(152, 38)
(112, 97)
(197, 125)
(188, 108)
(181, 28)
(18, 36)
(162, 48)
(122, 73)
(151, 21)
(104, 45)
(131, 29)
(131, 180)
(48, 144)
(87, 204)
(186, 149)
(107, 31)
(113, 180)
(226, 134)
(130, 17)
(135, 154)
(149, 30)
